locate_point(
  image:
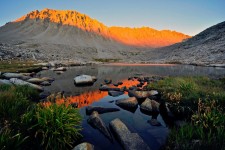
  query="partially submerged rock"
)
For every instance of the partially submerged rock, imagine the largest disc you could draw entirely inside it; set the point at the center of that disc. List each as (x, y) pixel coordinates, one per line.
(108, 81)
(84, 146)
(128, 104)
(100, 110)
(107, 88)
(84, 79)
(60, 69)
(142, 94)
(115, 93)
(129, 141)
(36, 80)
(98, 123)
(150, 106)
(21, 82)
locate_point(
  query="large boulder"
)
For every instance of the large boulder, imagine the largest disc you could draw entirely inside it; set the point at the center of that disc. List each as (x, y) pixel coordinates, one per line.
(100, 110)
(128, 104)
(150, 106)
(84, 146)
(98, 123)
(21, 82)
(142, 94)
(84, 79)
(129, 141)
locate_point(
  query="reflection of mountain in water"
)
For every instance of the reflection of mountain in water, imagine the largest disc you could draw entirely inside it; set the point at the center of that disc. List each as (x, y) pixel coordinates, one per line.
(65, 82)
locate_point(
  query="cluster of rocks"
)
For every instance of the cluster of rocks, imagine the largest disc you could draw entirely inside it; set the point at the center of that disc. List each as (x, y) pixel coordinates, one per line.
(13, 51)
(25, 79)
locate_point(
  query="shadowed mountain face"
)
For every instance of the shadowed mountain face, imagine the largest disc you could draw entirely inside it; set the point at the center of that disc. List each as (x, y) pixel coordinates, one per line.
(55, 24)
(207, 47)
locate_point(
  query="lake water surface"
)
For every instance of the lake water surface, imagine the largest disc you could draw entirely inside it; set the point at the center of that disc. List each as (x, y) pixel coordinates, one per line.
(136, 121)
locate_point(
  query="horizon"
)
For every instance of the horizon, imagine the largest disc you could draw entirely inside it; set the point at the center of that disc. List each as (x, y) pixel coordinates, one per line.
(174, 16)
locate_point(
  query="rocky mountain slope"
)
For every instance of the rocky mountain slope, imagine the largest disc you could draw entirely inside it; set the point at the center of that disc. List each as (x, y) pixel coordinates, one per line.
(54, 34)
(207, 47)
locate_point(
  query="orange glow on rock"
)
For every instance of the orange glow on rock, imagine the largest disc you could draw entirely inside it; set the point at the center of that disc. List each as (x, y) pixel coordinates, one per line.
(88, 98)
(141, 37)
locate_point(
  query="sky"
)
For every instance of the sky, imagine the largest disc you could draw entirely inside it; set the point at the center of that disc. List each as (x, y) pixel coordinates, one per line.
(186, 16)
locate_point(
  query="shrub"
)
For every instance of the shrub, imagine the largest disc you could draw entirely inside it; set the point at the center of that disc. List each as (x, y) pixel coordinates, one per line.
(53, 127)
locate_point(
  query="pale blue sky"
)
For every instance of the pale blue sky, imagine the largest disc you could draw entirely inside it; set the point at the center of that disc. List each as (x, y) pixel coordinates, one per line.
(187, 16)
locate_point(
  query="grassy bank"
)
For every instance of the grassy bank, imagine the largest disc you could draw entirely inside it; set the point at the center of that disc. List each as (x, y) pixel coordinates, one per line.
(29, 125)
(18, 66)
(199, 101)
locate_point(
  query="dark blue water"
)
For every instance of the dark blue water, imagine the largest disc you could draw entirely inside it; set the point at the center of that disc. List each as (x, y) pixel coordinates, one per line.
(137, 121)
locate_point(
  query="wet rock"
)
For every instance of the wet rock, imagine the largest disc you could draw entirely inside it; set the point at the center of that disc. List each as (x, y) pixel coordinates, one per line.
(128, 104)
(115, 84)
(115, 93)
(98, 123)
(124, 88)
(12, 75)
(21, 82)
(45, 83)
(84, 146)
(5, 82)
(120, 83)
(60, 69)
(100, 110)
(84, 79)
(129, 141)
(154, 122)
(142, 94)
(107, 88)
(108, 81)
(44, 94)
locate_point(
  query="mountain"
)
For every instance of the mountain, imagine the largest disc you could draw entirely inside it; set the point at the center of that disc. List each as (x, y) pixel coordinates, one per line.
(144, 37)
(207, 47)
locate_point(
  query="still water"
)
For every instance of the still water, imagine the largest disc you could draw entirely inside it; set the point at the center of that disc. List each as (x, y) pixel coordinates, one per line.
(135, 121)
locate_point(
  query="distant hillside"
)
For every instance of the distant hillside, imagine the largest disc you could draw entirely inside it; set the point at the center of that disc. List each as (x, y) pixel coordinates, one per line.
(207, 47)
(140, 37)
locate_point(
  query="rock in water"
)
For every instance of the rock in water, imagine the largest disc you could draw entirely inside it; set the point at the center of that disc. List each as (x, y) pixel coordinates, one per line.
(129, 141)
(115, 93)
(100, 110)
(21, 82)
(128, 104)
(142, 94)
(149, 106)
(36, 80)
(60, 69)
(84, 146)
(98, 123)
(84, 79)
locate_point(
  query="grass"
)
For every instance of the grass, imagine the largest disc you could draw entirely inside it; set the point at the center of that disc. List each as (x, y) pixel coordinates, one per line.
(201, 102)
(29, 125)
(18, 66)
(53, 127)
